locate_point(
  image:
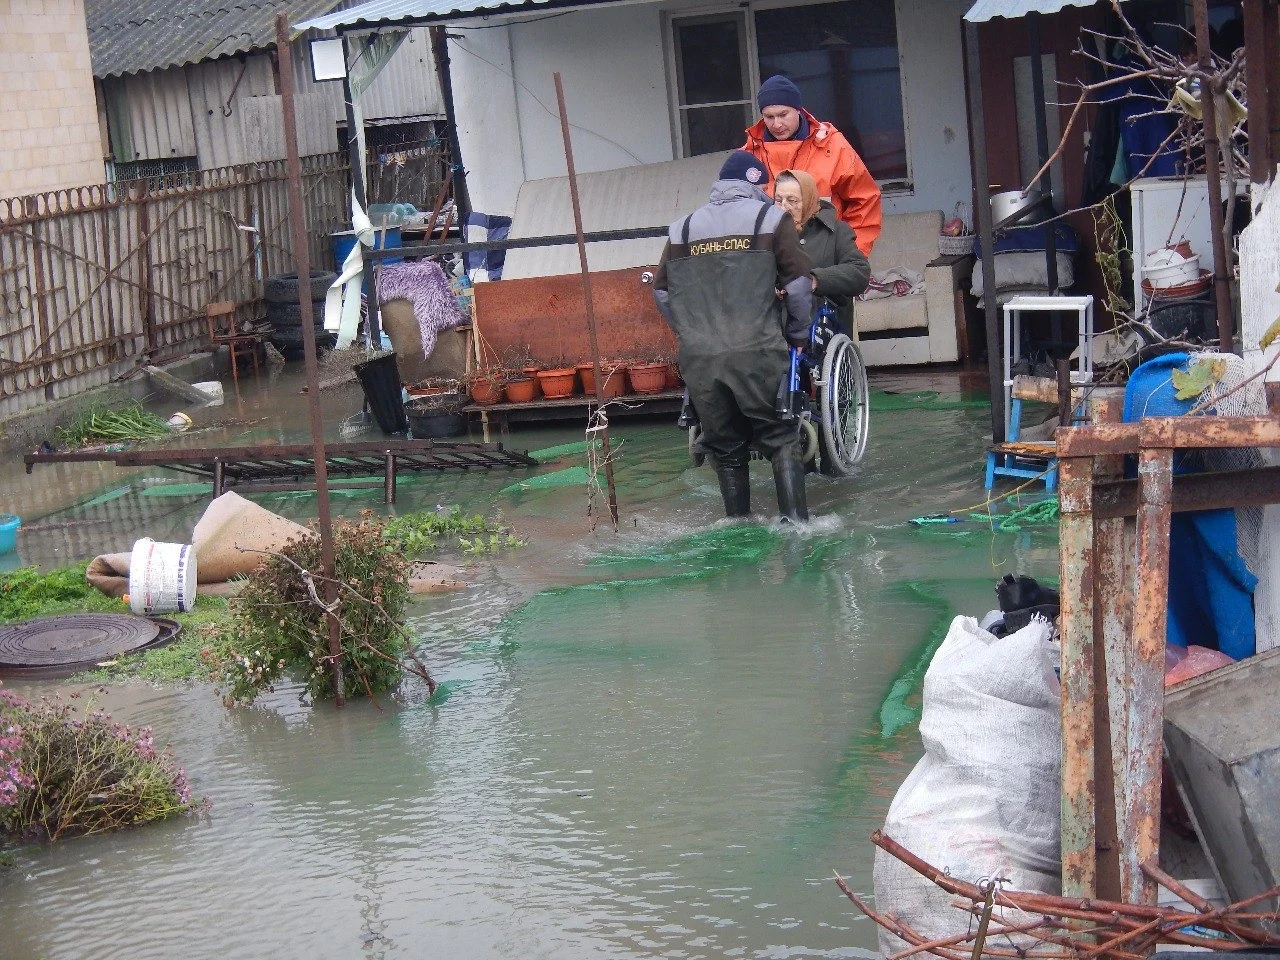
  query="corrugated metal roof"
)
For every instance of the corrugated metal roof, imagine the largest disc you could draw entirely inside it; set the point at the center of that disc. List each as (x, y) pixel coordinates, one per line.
(985, 10)
(396, 11)
(131, 36)
(647, 195)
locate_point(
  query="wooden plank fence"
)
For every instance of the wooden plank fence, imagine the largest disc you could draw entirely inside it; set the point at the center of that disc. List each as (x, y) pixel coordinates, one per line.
(95, 280)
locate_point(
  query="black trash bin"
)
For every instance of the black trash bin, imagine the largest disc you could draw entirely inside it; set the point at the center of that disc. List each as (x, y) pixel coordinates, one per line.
(382, 389)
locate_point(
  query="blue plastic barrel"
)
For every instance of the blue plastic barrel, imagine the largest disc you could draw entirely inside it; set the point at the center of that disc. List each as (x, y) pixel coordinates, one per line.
(344, 240)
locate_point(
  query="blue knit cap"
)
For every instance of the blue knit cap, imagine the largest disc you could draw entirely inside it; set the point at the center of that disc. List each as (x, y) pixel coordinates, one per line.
(744, 166)
(778, 91)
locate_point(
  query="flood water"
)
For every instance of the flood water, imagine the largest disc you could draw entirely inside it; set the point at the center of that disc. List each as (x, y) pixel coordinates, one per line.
(658, 743)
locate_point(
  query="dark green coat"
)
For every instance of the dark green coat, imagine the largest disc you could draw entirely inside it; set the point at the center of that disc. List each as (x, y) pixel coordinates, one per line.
(840, 267)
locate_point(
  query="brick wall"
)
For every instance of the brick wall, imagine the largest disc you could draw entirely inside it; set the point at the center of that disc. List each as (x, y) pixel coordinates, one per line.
(49, 134)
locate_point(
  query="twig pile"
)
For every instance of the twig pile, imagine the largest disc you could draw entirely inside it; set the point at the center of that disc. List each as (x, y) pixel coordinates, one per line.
(1066, 928)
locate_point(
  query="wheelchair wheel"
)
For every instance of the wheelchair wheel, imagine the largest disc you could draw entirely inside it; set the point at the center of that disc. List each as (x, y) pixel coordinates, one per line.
(697, 456)
(844, 406)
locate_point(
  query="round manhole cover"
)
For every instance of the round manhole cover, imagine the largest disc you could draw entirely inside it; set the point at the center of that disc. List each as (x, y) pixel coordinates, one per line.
(78, 640)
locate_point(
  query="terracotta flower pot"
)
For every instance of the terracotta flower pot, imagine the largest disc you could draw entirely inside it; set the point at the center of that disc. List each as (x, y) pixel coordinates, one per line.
(648, 377)
(557, 383)
(486, 391)
(522, 390)
(531, 373)
(674, 381)
(615, 379)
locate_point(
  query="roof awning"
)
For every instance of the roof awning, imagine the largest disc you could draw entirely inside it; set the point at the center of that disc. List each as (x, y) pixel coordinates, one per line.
(387, 13)
(985, 10)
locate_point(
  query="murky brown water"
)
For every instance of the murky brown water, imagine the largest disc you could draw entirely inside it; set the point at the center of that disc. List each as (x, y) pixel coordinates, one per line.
(659, 743)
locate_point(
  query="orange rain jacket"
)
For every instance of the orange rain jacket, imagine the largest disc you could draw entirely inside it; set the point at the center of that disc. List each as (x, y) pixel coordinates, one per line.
(828, 157)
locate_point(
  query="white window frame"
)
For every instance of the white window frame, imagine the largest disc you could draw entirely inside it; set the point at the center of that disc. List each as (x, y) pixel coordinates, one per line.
(747, 11)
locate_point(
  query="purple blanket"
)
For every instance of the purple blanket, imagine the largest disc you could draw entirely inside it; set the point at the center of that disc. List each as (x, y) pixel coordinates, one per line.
(425, 285)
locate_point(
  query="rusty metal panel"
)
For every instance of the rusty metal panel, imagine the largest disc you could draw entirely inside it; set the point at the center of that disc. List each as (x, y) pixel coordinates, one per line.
(1079, 867)
(546, 317)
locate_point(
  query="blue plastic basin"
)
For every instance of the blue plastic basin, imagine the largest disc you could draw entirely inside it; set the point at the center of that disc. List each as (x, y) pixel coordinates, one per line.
(9, 525)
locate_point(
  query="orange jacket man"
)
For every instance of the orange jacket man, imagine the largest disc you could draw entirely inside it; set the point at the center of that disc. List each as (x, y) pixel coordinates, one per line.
(788, 137)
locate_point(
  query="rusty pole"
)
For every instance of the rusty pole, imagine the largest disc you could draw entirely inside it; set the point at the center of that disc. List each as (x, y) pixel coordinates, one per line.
(586, 293)
(302, 263)
(1111, 594)
(1146, 687)
(1079, 832)
(1213, 181)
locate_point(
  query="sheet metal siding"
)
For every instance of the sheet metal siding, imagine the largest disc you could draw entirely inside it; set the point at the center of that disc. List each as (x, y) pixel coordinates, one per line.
(985, 10)
(649, 195)
(219, 138)
(393, 10)
(406, 87)
(160, 120)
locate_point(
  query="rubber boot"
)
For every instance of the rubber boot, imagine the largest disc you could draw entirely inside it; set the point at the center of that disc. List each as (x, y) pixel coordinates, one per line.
(735, 488)
(788, 480)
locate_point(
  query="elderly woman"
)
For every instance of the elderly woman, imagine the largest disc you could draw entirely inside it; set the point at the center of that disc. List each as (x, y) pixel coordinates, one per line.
(840, 270)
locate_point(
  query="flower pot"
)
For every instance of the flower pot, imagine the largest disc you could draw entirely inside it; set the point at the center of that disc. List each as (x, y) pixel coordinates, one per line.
(531, 374)
(615, 379)
(486, 391)
(648, 377)
(522, 390)
(557, 383)
(674, 382)
(431, 387)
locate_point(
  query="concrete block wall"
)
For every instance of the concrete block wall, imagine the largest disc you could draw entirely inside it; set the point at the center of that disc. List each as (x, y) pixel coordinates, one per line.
(49, 136)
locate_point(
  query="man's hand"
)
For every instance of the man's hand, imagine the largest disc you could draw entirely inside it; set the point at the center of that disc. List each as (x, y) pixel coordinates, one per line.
(815, 282)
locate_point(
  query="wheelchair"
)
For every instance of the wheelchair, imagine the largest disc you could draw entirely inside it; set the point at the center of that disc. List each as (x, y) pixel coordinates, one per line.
(824, 393)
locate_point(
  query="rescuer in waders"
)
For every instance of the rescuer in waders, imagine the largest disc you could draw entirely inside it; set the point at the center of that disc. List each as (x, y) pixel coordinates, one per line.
(718, 287)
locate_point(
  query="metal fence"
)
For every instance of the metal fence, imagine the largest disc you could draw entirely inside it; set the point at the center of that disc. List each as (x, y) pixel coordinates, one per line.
(95, 280)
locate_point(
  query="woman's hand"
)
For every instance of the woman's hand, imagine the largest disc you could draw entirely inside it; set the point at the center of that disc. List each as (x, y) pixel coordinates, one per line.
(814, 279)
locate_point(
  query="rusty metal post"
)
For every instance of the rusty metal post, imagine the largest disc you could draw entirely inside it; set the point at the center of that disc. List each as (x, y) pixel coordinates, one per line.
(1146, 684)
(586, 293)
(146, 280)
(302, 262)
(1079, 858)
(1213, 181)
(1111, 595)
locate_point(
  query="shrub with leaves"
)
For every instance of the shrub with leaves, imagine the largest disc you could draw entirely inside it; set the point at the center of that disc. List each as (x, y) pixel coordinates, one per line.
(64, 773)
(416, 534)
(281, 625)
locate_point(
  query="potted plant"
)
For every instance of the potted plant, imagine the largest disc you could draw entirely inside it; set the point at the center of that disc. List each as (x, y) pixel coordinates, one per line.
(558, 383)
(522, 389)
(648, 376)
(615, 378)
(486, 385)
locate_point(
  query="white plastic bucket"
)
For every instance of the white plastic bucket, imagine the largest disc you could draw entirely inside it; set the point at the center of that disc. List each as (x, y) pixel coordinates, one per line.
(162, 577)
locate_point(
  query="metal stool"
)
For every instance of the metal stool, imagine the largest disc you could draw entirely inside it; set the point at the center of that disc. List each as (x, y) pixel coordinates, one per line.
(1014, 457)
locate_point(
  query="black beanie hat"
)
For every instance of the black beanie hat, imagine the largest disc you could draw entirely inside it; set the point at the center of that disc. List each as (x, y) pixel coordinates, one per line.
(742, 165)
(778, 91)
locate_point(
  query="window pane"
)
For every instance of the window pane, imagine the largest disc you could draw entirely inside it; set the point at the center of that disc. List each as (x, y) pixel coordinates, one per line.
(710, 55)
(710, 129)
(844, 58)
